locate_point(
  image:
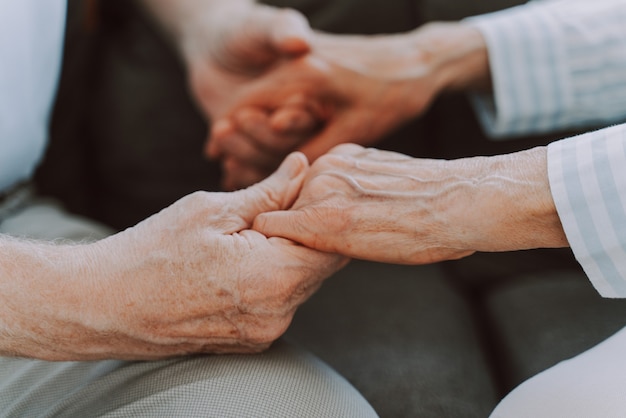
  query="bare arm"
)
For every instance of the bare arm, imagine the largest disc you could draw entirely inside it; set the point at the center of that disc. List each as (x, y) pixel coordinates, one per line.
(186, 280)
(192, 23)
(179, 16)
(384, 206)
(358, 88)
(42, 285)
(226, 44)
(450, 55)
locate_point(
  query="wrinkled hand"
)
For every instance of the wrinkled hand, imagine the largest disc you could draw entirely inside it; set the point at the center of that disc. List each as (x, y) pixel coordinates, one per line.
(355, 89)
(193, 278)
(352, 89)
(234, 44)
(384, 206)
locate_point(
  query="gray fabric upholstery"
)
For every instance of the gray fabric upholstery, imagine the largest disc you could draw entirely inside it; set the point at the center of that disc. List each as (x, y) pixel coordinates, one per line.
(404, 336)
(540, 319)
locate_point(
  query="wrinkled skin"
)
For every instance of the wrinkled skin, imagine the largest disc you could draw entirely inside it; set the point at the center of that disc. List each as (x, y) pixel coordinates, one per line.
(225, 49)
(349, 89)
(193, 278)
(384, 206)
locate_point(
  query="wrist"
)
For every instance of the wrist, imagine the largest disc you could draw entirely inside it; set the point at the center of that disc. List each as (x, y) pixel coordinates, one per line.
(456, 55)
(538, 205)
(44, 299)
(512, 202)
(183, 19)
(413, 67)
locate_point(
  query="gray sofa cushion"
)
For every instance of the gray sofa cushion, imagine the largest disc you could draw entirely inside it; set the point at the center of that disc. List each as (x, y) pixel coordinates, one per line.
(406, 337)
(540, 319)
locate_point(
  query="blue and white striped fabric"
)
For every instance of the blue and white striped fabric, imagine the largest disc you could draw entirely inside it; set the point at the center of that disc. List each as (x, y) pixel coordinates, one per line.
(555, 64)
(588, 183)
(562, 64)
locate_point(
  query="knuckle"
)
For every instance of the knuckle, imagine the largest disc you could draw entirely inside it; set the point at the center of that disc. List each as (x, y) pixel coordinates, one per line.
(200, 198)
(271, 197)
(328, 162)
(347, 148)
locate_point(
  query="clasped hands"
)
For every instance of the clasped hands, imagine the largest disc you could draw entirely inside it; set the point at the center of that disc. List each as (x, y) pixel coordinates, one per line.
(211, 273)
(332, 90)
(225, 272)
(274, 88)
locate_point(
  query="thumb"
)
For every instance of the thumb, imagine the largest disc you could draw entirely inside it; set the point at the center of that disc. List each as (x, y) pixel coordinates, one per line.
(291, 33)
(277, 192)
(283, 224)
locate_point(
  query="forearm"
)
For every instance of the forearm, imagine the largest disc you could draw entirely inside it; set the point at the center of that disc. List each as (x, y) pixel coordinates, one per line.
(408, 70)
(509, 200)
(41, 296)
(180, 18)
(456, 54)
(387, 207)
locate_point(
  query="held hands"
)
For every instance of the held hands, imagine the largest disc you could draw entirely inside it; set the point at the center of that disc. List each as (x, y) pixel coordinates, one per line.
(192, 278)
(384, 206)
(232, 44)
(198, 277)
(348, 89)
(374, 205)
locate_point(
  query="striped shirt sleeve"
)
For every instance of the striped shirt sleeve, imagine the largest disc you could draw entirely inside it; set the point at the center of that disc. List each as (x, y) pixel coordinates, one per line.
(555, 64)
(588, 183)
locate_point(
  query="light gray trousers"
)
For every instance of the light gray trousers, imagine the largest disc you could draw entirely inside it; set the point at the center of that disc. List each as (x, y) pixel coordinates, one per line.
(285, 381)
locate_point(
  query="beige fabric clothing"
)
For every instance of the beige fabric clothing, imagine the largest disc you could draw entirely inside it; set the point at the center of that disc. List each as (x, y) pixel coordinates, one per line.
(285, 381)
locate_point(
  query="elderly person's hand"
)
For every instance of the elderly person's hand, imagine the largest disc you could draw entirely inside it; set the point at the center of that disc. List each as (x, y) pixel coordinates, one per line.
(193, 278)
(384, 206)
(356, 88)
(226, 44)
(227, 48)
